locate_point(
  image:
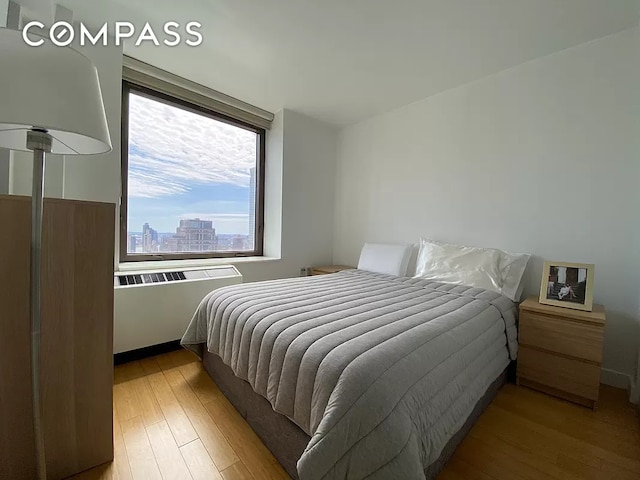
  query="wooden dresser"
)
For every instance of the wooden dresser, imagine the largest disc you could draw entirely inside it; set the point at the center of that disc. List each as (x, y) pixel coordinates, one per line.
(77, 337)
(560, 351)
(326, 269)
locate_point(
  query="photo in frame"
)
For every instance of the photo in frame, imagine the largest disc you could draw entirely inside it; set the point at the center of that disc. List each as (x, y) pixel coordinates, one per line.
(566, 284)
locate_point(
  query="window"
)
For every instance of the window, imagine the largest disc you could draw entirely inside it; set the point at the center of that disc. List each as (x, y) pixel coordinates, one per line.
(192, 180)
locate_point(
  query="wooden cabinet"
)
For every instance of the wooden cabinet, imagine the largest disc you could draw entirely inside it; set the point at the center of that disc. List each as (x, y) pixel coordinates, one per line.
(77, 336)
(561, 350)
(326, 269)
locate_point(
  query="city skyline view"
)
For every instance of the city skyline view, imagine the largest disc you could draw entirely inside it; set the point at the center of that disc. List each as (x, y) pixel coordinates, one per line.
(191, 235)
(184, 165)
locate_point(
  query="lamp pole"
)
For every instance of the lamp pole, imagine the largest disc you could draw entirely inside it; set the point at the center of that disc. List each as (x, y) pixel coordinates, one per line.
(39, 141)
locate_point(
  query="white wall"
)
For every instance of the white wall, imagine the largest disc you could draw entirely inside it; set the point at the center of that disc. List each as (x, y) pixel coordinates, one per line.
(5, 176)
(635, 379)
(310, 149)
(5, 171)
(540, 158)
(299, 202)
(5, 155)
(21, 168)
(4, 5)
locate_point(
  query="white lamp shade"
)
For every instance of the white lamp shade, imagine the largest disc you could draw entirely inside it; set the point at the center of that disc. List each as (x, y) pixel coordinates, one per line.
(54, 89)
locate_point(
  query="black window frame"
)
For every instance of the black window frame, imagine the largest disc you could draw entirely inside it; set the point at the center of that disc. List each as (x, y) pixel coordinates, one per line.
(125, 257)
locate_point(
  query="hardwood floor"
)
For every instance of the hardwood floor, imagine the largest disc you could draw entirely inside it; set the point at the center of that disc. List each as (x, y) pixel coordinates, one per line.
(172, 422)
(525, 434)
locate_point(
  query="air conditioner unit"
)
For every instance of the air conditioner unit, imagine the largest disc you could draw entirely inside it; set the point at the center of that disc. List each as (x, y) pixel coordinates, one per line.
(155, 306)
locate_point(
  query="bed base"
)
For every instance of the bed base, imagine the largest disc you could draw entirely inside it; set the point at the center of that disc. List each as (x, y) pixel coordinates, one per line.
(287, 441)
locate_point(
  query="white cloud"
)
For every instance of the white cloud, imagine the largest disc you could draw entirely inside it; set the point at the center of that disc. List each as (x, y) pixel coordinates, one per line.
(172, 148)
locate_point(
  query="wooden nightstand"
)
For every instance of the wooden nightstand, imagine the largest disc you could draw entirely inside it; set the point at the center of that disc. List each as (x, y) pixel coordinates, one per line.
(560, 351)
(326, 269)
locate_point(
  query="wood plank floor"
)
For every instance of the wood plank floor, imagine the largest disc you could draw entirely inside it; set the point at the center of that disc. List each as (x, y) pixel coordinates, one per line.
(172, 422)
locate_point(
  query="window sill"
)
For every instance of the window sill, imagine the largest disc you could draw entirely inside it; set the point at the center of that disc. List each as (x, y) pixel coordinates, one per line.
(186, 264)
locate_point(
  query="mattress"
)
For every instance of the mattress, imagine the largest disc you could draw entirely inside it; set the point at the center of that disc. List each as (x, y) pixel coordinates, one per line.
(379, 371)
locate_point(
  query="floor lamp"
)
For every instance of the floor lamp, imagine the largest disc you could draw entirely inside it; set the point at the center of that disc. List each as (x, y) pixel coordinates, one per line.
(50, 102)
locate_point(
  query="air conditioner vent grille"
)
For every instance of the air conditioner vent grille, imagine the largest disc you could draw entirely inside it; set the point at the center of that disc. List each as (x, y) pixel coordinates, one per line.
(146, 278)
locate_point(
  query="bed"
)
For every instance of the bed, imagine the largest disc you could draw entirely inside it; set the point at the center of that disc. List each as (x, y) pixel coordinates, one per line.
(357, 374)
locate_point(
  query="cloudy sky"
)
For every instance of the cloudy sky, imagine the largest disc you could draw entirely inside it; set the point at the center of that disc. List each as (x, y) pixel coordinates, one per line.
(185, 165)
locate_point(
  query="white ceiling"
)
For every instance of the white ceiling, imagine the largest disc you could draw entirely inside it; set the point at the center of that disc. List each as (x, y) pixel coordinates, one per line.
(342, 61)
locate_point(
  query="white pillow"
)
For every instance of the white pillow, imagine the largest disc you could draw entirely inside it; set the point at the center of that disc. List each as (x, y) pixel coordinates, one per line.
(513, 266)
(486, 268)
(470, 266)
(385, 258)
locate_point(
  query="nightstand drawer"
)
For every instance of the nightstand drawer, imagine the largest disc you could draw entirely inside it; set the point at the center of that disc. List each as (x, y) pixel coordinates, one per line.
(561, 373)
(576, 339)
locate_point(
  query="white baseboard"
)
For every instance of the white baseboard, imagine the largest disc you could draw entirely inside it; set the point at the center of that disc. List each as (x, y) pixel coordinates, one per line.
(615, 378)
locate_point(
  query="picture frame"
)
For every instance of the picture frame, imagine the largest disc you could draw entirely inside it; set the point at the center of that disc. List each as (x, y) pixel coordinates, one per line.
(568, 285)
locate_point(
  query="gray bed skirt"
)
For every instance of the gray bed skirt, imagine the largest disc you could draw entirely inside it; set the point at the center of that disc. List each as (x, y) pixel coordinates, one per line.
(287, 441)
